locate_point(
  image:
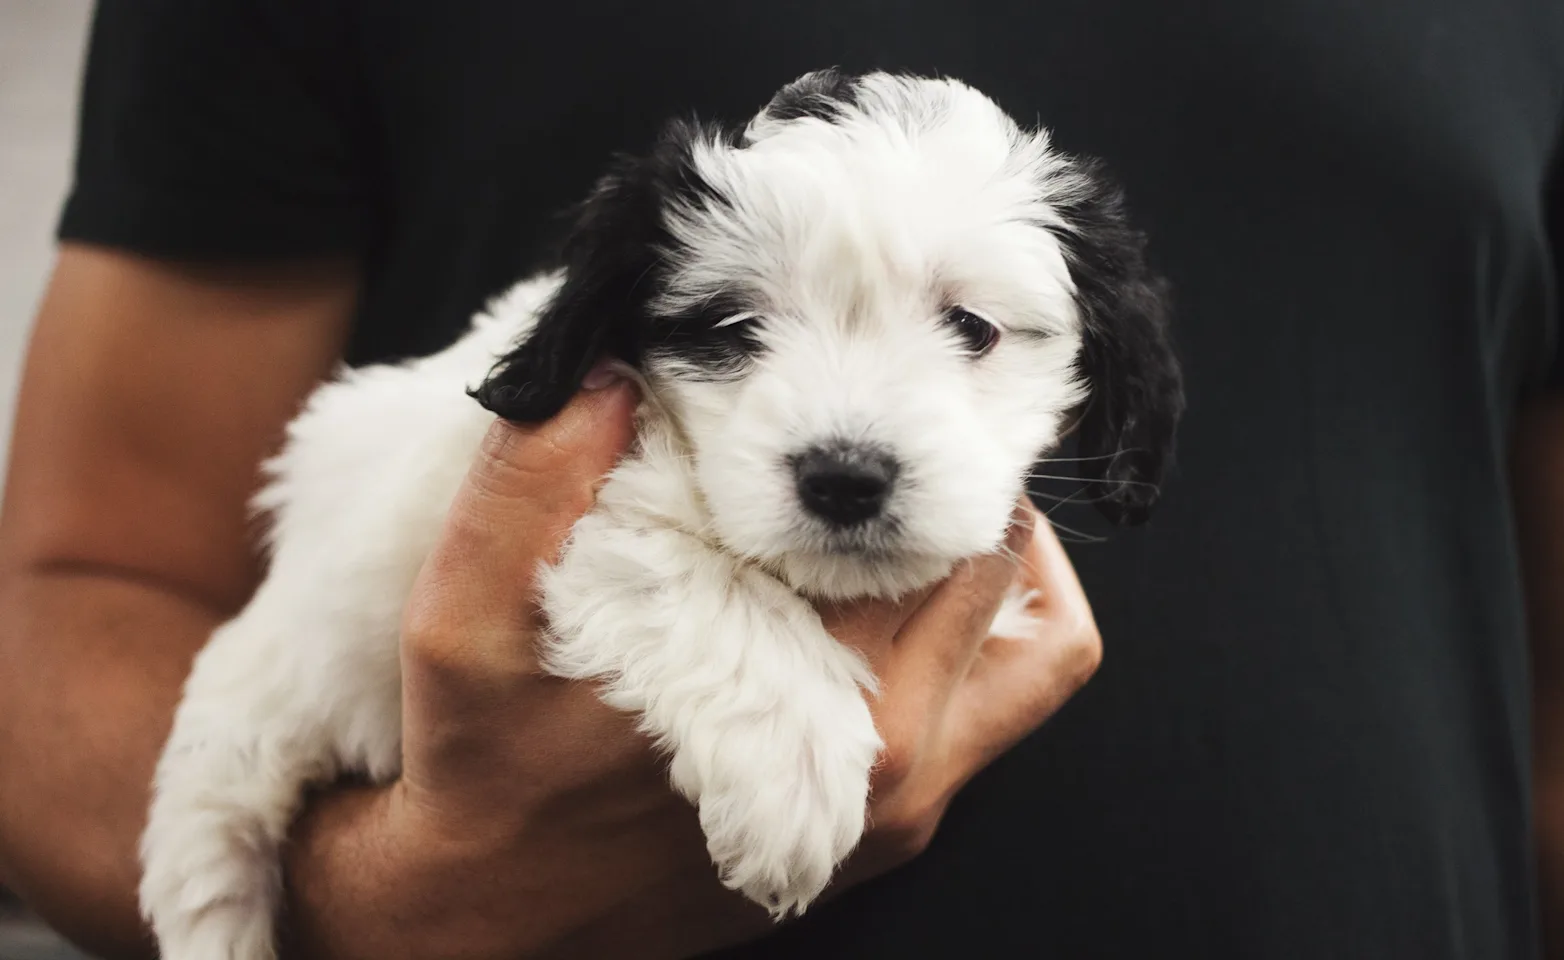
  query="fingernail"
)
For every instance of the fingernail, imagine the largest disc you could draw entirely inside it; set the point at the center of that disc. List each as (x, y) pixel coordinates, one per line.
(602, 376)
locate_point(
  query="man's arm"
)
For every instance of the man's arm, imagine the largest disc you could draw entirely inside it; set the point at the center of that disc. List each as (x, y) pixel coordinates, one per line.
(151, 393)
(1538, 478)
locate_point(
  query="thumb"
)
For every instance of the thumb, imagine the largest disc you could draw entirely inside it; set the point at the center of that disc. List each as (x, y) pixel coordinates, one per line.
(526, 488)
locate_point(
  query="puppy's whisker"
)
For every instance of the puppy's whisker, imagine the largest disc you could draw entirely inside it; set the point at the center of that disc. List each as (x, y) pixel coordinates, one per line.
(1075, 497)
(1076, 536)
(1100, 456)
(1055, 476)
(1072, 498)
(1063, 501)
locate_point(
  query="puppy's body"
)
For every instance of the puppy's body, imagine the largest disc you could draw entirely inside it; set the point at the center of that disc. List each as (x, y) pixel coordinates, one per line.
(306, 682)
(858, 325)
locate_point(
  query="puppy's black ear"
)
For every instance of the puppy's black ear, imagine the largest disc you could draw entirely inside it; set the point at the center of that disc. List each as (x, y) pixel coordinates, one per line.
(1127, 426)
(611, 258)
(823, 95)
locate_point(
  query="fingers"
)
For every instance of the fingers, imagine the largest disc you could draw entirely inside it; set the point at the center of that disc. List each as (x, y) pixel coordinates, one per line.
(871, 626)
(1046, 569)
(469, 627)
(936, 645)
(526, 488)
(1014, 685)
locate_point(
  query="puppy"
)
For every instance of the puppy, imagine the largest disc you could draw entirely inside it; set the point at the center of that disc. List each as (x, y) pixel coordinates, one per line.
(859, 321)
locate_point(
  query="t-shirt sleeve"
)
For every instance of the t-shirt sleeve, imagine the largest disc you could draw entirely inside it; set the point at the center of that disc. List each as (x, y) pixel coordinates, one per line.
(219, 128)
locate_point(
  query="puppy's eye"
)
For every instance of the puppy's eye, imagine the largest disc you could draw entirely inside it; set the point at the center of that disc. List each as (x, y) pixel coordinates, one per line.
(738, 332)
(978, 334)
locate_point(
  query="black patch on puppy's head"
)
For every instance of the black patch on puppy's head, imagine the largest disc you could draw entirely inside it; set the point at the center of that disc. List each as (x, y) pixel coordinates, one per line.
(821, 95)
(615, 258)
(1128, 424)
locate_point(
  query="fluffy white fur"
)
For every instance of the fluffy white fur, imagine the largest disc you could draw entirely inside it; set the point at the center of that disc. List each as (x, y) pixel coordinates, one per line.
(683, 592)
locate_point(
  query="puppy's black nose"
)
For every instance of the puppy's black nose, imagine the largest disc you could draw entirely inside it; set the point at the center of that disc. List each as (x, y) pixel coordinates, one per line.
(844, 484)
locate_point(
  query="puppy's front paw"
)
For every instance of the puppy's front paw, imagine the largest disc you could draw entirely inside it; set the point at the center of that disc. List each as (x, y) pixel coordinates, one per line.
(783, 799)
(216, 933)
(208, 888)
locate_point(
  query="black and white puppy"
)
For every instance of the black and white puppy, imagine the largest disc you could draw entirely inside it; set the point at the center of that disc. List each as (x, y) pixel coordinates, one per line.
(858, 322)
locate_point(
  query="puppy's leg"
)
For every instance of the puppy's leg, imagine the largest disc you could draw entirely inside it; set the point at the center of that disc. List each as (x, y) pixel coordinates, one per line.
(762, 711)
(264, 714)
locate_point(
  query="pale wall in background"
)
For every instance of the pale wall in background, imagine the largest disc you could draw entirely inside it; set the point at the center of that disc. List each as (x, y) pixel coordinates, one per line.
(41, 45)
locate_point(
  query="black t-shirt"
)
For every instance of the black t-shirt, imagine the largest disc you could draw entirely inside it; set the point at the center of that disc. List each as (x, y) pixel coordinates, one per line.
(1310, 735)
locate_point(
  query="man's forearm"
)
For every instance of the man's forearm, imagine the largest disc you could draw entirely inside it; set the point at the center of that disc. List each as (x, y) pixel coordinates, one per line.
(356, 889)
(91, 665)
(91, 668)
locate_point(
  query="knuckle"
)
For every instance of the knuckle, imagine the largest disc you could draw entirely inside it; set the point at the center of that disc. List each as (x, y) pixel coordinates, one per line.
(1083, 656)
(433, 655)
(894, 767)
(906, 833)
(507, 446)
(500, 456)
(516, 463)
(918, 837)
(422, 621)
(502, 472)
(902, 721)
(432, 644)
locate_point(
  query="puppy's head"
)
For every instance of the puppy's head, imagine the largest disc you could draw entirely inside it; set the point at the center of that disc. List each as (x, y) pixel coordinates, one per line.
(869, 312)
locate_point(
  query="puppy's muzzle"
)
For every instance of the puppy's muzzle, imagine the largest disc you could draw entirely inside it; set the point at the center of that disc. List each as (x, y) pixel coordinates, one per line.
(844, 484)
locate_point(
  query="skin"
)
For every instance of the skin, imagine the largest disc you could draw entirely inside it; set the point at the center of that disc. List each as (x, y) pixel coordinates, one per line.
(529, 820)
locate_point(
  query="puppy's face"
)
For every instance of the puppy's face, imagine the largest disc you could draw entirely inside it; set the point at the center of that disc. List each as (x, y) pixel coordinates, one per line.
(868, 315)
(870, 337)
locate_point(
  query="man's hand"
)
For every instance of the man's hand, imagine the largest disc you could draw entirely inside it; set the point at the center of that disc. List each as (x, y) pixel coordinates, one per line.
(532, 820)
(954, 698)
